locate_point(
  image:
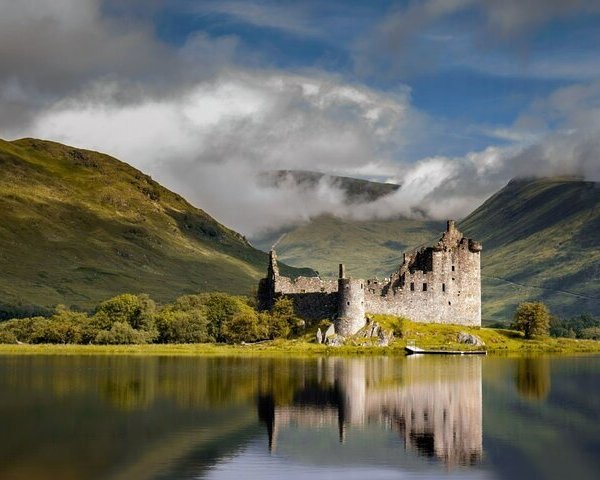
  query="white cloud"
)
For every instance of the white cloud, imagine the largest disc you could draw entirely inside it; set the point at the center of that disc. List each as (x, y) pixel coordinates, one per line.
(210, 141)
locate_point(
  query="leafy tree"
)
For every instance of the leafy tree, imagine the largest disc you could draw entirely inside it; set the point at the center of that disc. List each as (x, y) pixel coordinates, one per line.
(591, 333)
(244, 326)
(23, 328)
(180, 326)
(282, 320)
(121, 333)
(7, 336)
(138, 311)
(533, 319)
(221, 307)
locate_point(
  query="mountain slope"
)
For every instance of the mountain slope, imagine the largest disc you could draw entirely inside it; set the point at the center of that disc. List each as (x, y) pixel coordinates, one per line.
(541, 240)
(78, 226)
(367, 248)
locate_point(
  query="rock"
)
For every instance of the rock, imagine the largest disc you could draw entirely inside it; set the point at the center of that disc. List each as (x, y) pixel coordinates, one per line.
(384, 338)
(319, 336)
(335, 340)
(469, 339)
(330, 331)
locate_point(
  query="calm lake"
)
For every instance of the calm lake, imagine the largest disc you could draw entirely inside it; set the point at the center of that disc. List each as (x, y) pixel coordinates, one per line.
(129, 417)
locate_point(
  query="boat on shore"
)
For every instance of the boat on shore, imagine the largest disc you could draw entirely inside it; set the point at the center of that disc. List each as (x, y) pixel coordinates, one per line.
(412, 350)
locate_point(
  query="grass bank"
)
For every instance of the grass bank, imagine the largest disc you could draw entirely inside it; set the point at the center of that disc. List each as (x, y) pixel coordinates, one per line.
(498, 342)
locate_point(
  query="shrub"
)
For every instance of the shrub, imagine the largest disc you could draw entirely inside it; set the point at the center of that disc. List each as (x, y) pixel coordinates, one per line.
(283, 320)
(244, 326)
(220, 307)
(177, 326)
(591, 333)
(7, 336)
(23, 328)
(138, 311)
(533, 319)
(122, 333)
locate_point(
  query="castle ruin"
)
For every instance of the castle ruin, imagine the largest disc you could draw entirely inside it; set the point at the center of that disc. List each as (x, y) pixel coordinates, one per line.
(438, 284)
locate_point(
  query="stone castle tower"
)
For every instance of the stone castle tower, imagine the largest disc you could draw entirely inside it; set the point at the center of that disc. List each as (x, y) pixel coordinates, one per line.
(437, 284)
(351, 305)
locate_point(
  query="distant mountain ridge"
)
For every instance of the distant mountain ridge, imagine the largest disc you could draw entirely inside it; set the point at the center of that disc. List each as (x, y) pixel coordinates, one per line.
(356, 190)
(78, 226)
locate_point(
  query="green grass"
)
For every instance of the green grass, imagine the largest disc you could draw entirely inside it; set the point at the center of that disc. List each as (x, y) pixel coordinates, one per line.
(77, 227)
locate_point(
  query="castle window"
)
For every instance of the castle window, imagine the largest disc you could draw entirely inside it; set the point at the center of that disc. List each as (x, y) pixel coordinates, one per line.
(449, 303)
(443, 287)
(424, 287)
(452, 267)
(302, 291)
(412, 286)
(361, 286)
(347, 303)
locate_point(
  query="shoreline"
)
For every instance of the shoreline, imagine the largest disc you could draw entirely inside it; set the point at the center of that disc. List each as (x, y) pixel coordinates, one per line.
(296, 348)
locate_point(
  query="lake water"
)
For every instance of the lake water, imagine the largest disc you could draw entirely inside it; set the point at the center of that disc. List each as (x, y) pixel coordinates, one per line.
(92, 417)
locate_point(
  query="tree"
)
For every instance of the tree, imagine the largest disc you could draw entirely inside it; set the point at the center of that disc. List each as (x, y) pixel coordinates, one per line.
(220, 308)
(282, 320)
(533, 319)
(180, 326)
(244, 326)
(138, 311)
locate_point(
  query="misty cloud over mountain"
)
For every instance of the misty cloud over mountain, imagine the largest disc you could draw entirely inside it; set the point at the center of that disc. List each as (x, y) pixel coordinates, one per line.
(207, 114)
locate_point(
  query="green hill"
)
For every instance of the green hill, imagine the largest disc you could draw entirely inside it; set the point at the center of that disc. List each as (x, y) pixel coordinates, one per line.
(367, 248)
(541, 240)
(78, 226)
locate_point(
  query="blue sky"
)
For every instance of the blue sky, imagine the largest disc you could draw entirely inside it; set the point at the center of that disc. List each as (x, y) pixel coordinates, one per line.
(462, 70)
(450, 98)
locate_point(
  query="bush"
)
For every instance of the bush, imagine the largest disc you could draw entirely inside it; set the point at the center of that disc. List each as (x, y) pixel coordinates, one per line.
(137, 311)
(177, 326)
(591, 333)
(220, 307)
(244, 326)
(533, 319)
(122, 333)
(283, 320)
(23, 328)
(7, 337)
(574, 327)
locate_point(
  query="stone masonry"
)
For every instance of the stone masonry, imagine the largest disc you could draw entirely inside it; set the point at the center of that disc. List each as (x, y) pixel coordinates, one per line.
(438, 284)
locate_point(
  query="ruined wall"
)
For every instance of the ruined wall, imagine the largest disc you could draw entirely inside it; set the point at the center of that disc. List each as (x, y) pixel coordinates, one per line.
(439, 284)
(449, 293)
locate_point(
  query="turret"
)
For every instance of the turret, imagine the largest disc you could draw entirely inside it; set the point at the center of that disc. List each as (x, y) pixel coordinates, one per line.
(351, 305)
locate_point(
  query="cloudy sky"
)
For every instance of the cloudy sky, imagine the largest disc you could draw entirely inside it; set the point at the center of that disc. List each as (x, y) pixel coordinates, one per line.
(450, 98)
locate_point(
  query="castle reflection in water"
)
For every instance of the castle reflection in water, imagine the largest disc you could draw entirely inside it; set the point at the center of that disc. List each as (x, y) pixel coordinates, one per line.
(435, 406)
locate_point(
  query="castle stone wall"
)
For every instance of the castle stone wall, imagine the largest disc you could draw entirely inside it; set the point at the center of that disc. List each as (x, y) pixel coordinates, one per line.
(438, 284)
